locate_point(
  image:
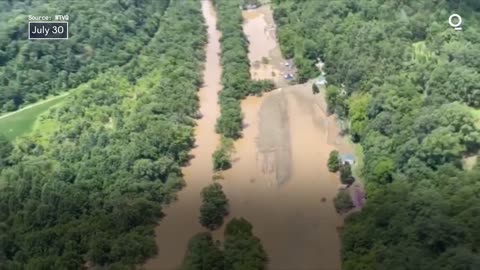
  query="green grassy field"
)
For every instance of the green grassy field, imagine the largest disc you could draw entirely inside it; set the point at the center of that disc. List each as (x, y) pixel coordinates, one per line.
(21, 122)
(477, 115)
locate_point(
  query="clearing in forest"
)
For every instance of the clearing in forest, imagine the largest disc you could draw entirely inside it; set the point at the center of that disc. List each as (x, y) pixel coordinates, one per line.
(21, 122)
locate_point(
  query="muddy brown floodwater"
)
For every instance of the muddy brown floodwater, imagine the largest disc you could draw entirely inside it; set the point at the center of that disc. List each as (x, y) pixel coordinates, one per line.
(279, 180)
(181, 220)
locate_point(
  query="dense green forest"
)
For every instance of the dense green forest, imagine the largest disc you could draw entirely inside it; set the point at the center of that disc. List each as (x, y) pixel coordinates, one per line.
(103, 34)
(407, 83)
(241, 250)
(236, 80)
(89, 192)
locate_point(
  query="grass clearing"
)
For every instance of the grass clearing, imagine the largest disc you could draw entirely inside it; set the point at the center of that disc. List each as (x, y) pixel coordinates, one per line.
(476, 114)
(21, 122)
(421, 54)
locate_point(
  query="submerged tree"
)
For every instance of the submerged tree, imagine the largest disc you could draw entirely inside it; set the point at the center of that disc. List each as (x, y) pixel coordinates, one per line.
(346, 174)
(214, 206)
(222, 157)
(343, 202)
(242, 249)
(333, 161)
(203, 254)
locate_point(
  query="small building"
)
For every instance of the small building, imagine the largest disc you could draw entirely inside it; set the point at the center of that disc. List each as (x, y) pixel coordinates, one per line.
(320, 81)
(347, 158)
(288, 76)
(289, 64)
(250, 6)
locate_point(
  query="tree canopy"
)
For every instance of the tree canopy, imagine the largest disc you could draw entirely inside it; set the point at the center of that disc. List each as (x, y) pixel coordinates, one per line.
(333, 162)
(214, 206)
(404, 81)
(203, 254)
(103, 34)
(90, 190)
(236, 80)
(241, 250)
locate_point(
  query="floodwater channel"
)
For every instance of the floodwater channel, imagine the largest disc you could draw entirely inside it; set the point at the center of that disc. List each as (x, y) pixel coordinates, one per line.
(181, 217)
(279, 180)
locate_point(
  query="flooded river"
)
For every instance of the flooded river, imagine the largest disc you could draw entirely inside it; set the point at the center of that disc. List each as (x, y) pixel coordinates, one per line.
(279, 180)
(181, 220)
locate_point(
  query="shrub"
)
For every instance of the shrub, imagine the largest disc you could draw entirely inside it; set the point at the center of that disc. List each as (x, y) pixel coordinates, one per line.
(343, 202)
(333, 161)
(214, 207)
(346, 174)
(222, 157)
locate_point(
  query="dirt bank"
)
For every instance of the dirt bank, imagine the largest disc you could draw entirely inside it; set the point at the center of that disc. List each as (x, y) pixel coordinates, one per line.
(181, 220)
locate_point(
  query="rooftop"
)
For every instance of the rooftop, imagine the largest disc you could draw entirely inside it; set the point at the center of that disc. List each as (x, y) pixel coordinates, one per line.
(350, 158)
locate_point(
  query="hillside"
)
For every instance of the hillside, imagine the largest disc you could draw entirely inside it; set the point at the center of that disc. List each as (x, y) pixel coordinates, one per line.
(90, 191)
(103, 34)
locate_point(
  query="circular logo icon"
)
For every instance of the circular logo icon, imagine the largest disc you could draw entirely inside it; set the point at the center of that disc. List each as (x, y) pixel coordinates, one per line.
(455, 21)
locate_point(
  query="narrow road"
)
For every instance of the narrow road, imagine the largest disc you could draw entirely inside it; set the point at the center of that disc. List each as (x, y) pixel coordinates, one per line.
(181, 220)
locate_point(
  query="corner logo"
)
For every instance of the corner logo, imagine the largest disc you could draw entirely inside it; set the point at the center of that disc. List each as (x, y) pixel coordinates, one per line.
(455, 21)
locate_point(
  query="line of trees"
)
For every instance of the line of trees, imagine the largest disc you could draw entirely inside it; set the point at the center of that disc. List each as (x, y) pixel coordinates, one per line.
(90, 191)
(102, 35)
(407, 83)
(236, 80)
(241, 250)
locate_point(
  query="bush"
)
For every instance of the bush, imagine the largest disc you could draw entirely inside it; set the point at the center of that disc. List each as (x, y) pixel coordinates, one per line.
(346, 174)
(260, 86)
(214, 207)
(333, 161)
(332, 97)
(343, 202)
(222, 157)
